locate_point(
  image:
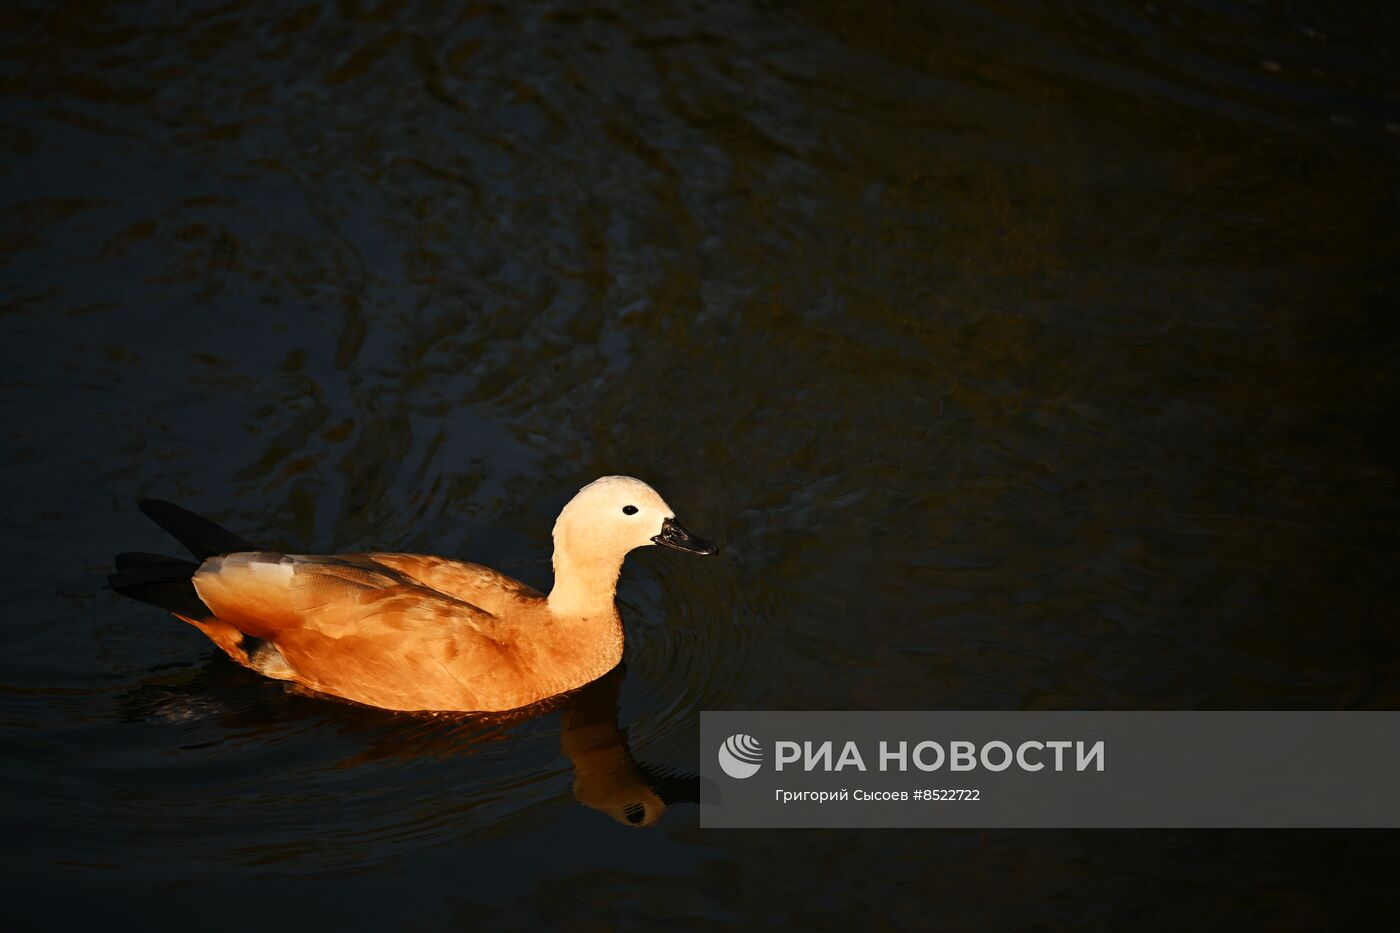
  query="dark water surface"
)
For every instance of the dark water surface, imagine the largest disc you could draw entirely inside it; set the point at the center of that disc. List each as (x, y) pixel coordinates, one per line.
(1020, 356)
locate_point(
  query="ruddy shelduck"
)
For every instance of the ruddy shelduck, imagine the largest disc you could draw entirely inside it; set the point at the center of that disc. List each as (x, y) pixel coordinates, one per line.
(410, 631)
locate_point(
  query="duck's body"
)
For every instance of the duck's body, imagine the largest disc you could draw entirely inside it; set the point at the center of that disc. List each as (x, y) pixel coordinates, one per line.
(410, 631)
(401, 631)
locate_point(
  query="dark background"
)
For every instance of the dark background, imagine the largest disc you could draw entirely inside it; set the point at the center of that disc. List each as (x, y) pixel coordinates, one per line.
(1020, 355)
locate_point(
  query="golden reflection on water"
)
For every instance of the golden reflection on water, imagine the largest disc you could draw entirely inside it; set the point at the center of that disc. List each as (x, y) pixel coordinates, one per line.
(605, 774)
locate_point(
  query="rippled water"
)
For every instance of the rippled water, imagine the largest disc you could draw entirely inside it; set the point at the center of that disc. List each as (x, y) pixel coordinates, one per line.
(1019, 355)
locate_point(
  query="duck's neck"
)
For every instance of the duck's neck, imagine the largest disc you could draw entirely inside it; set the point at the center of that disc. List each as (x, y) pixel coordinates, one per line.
(584, 587)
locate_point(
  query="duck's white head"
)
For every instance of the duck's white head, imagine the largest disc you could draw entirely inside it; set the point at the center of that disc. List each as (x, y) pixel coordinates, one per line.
(608, 518)
(616, 514)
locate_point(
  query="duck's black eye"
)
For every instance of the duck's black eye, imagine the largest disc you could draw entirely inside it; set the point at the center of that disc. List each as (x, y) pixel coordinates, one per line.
(629, 510)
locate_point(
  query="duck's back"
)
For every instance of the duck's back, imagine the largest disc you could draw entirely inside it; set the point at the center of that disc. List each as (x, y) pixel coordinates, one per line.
(500, 595)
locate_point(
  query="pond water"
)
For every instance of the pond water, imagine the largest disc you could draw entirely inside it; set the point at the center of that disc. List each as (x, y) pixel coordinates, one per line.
(1020, 356)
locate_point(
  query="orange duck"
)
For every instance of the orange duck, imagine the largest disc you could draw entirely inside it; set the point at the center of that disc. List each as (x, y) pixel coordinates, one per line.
(410, 631)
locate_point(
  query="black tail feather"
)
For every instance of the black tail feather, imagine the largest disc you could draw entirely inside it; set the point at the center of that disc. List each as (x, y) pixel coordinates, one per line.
(138, 567)
(159, 580)
(202, 537)
(166, 581)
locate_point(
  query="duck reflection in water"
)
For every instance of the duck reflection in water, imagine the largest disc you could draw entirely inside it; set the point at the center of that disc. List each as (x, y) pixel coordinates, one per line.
(606, 775)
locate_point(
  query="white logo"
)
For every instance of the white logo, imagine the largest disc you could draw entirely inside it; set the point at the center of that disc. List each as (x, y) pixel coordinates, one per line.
(740, 755)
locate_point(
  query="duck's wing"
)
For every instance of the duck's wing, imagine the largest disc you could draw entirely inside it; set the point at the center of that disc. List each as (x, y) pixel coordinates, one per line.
(472, 583)
(349, 627)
